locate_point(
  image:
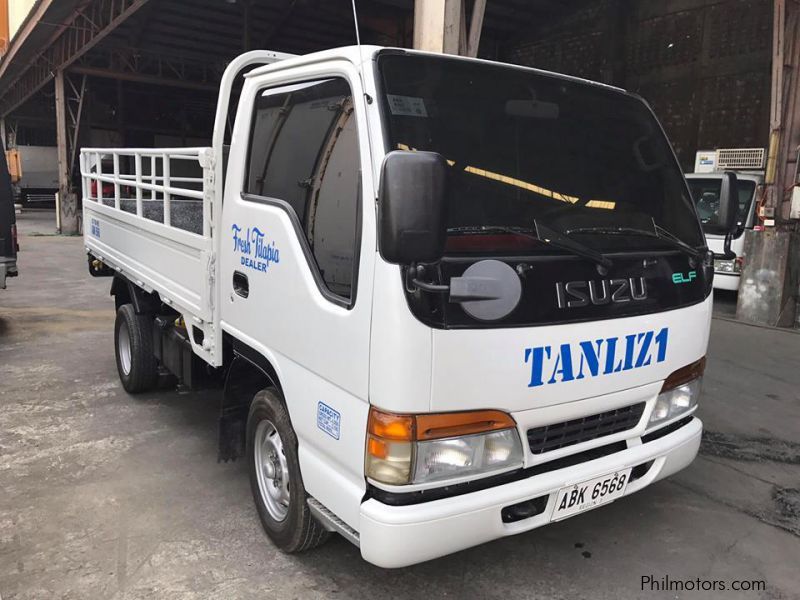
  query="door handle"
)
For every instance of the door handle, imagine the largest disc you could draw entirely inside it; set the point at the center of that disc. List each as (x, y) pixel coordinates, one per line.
(240, 284)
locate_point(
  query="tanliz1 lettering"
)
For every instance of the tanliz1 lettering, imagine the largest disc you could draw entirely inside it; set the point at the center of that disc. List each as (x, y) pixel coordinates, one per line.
(594, 358)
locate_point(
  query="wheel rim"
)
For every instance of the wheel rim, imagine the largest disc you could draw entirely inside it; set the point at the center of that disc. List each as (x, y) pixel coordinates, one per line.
(272, 470)
(124, 348)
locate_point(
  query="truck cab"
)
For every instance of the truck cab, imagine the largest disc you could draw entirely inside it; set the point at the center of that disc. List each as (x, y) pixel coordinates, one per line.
(706, 188)
(451, 300)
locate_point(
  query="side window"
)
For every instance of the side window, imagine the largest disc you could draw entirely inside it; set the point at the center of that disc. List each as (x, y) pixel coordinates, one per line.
(304, 151)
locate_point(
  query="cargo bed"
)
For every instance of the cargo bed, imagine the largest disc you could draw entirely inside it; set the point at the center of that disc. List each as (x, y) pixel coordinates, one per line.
(147, 215)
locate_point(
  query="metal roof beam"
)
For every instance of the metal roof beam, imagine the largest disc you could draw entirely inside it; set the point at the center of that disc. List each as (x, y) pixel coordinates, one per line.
(141, 78)
(89, 25)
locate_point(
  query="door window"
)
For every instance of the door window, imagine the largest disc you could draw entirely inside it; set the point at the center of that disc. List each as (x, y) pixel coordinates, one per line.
(304, 152)
(706, 193)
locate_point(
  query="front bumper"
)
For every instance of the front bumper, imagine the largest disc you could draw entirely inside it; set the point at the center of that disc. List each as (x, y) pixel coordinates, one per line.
(398, 536)
(727, 281)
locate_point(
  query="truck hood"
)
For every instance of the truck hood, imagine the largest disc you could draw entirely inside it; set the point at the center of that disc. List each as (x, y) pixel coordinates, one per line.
(716, 243)
(517, 369)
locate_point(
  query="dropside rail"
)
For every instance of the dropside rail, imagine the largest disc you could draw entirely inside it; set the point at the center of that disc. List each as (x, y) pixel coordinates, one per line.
(148, 215)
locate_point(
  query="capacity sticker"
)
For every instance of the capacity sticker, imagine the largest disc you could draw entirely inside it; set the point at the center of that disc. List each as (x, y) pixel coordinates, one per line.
(329, 420)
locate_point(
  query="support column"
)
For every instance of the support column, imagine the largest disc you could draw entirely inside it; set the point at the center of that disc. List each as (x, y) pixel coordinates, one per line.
(475, 27)
(768, 291)
(247, 26)
(68, 205)
(441, 26)
(437, 25)
(790, 140)
(772, 203)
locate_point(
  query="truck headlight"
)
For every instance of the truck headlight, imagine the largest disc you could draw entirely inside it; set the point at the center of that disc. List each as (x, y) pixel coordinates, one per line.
(679, 393)
(403, 449)
(728, 266)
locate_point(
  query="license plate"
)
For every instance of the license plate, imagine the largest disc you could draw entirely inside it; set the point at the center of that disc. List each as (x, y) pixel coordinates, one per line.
(586, 495)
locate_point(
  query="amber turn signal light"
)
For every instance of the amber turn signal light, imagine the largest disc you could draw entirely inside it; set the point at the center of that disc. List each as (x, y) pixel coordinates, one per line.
(684, 375)
(444, 425)
(391, 426)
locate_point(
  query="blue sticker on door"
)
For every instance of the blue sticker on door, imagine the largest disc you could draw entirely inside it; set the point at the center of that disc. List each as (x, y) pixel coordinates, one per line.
(329, 420)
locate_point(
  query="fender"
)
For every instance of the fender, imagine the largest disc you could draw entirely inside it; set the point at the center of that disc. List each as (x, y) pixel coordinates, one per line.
(125, 291)
(248, 373)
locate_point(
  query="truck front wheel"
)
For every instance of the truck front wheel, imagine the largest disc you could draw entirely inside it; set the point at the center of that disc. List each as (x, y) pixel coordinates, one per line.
(133, 341)
(275, 478)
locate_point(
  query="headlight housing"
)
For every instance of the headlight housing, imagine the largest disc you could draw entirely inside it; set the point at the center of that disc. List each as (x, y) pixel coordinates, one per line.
(417, 449)
(728, 266)
(679, 393)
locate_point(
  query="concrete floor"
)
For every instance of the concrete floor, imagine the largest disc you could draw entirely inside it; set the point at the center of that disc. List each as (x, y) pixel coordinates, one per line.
(103, 495)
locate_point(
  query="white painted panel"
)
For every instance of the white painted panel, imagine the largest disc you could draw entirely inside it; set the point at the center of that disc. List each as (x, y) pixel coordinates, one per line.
(320, 350)
(487, 368)
(177, 270)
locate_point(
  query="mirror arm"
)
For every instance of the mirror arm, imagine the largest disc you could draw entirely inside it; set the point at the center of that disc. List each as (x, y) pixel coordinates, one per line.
(726, 248)
(414, 276)
(430, 287)
(461, 289)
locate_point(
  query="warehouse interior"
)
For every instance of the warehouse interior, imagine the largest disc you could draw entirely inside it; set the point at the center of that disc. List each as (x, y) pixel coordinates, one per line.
(718, 73)
(106, 493)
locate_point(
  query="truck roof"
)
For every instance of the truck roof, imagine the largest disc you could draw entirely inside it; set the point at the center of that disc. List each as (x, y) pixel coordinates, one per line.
(356, 55)
(756, 176)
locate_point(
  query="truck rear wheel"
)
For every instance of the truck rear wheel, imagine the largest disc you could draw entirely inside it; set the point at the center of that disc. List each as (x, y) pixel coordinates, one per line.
(275, 478)
(133, 342)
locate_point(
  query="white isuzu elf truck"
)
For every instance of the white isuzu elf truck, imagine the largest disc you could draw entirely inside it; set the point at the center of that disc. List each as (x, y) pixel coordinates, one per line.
(450, 300)
(705, 184)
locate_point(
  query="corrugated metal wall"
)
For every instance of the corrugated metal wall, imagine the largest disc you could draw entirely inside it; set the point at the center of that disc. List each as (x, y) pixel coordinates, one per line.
(704, 65)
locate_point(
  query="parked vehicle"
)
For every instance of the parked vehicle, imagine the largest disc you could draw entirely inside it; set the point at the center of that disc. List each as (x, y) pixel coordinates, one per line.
(39, 181)
(706, 188)
(451, 300)
(9, 245)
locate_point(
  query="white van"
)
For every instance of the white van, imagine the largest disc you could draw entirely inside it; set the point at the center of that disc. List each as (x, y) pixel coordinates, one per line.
(450, 300)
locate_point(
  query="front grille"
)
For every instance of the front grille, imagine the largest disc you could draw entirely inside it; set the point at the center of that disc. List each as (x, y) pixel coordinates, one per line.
(568, 433)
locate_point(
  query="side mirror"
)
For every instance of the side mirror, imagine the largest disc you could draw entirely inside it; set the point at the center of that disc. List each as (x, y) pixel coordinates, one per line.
(728, 209)
(412, 207)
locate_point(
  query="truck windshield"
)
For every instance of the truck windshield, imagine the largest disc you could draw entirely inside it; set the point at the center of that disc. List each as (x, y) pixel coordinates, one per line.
(526, 146)
(706, 196)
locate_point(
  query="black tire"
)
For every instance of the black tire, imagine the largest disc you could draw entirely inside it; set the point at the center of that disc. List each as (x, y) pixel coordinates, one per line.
(298, 530)
(139, 372)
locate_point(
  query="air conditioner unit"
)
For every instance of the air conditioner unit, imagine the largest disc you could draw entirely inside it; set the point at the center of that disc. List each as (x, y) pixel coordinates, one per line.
(740, 159)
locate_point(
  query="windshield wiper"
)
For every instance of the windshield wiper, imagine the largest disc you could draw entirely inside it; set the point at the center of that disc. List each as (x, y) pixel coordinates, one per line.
(658, 232)
(544, 234)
